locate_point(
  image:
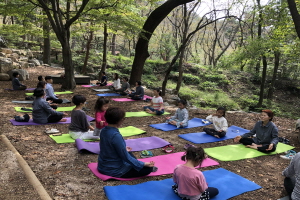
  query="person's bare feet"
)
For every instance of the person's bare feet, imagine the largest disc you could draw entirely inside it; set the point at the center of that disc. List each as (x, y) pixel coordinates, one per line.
(252, 146)
(63, 120)
(217, 136)
(173, 122)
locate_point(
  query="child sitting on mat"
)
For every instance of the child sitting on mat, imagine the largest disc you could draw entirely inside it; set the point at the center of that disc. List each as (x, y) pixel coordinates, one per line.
(16, 83)
(190, 183)
(266, 134)
(42, 112)
(79, 127)
(219, 123)
(115, 158)
(157, 103)
(181, 117)
(100, 110)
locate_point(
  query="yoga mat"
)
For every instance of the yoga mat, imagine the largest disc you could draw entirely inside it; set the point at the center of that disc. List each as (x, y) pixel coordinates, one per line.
(87, 86)
(195, 122)
(165, 164)
(30, 102)
(141, 114)
(108, 95)
(130, 131)
(239, 152)
(15, 123)
(65, 92)
(202, 137)
(59, 109)
(20, 90)
(138, 144)
(126, 99)
(102, 90)
(228, 183)
(66, 138)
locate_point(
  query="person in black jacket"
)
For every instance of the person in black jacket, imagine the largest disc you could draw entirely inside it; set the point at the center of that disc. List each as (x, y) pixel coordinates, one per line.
(139, 92)
(16, 83)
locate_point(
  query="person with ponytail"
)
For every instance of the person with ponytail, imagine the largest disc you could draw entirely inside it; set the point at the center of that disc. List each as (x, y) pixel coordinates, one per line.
(157, 104)
(190, 183)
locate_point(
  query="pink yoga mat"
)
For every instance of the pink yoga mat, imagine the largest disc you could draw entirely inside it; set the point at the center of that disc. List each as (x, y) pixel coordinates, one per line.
(165, 164)
(88, 86)
(125, 99)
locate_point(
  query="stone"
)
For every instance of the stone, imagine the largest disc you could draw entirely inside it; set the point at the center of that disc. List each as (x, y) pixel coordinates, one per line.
(46, 65)
(24, 59)
(2, 54)
(23, 64)
(23, 74)
(6, 51)
(5, 65)
(4, 77)
(31, 65)
(23, 53)
(17, 51)
(35, 62)
(16, 65)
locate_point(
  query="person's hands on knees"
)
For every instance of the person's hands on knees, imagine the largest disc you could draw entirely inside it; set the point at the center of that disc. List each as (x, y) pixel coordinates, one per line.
(149, 164)
(237, 138)
(270, 147)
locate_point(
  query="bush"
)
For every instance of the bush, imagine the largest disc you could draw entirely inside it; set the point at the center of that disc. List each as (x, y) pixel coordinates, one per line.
(190, 79)
(247, 101)
(208, 86)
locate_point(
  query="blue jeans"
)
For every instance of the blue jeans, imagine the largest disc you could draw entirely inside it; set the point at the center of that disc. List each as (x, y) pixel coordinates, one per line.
(158, 112)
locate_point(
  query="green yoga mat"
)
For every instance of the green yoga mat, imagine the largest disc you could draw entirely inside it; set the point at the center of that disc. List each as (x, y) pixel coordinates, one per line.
(125, 132)
(59, 109)
(239, 152)
(141, 114)
(65, 92)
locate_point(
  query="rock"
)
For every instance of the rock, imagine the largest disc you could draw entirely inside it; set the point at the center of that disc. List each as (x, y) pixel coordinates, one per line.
(4, 77)
(23, 64)
(5, 65)
(23, 52)
(23, 74)
(35, 62)
(30, 65)
(30, 54)
(2, 54)
(6, 51)
(17, 51)
(24, 59)
(166, 104)
(46, 65)
(16, 65)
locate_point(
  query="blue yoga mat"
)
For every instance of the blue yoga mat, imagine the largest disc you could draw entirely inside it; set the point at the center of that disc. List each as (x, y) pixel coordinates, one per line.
(202, 137)
(108, 95)
(229, 185)
(195, 122)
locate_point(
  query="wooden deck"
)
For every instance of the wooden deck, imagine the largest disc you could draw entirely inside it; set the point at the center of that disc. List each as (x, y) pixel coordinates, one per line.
(79, 79)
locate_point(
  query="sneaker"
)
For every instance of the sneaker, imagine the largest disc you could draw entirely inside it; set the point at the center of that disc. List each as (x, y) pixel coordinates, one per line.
(52, 130)
(288, 156)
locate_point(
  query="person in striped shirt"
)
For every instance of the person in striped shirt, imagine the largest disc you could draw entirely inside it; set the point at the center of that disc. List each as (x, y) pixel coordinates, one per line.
(157, 104)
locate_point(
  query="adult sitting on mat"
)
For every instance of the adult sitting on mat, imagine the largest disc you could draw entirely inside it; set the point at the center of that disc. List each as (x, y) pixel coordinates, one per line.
(125, 88)
(42, 112)
(139, 92)
(103, 81)
(16, 83)
(115, 158)
(292, 178)
(266, 134)
(42, 84)
(50, 92)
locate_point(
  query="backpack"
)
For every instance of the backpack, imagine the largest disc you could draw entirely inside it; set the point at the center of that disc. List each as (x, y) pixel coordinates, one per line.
(25, 118)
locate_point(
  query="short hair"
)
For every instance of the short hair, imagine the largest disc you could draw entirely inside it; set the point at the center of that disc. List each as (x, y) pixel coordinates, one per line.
(139, 82)
(195, 154)
(41, 84)
(182, 101)
(126, 79)
(78, 99)
(224, 110)
(15, 74)
(114, 115)
(38, 92)
(40, 78)
(48, 77)
(269, 113)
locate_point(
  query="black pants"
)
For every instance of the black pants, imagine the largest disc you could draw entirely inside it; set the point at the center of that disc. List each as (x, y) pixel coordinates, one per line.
(133, 173)
(249, 141)
(54, 118)
(59, 101)
(22, 87)
(132, 95)
(213, 132)
(209, 193)
(289, 186)
(101, 84)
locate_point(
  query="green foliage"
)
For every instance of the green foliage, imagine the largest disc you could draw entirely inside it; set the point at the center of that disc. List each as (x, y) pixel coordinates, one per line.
(208, 86)
(246, 101)
(153, 66)
(191, 79)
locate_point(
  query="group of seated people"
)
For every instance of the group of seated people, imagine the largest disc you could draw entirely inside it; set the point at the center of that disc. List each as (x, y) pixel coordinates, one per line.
(117, 160)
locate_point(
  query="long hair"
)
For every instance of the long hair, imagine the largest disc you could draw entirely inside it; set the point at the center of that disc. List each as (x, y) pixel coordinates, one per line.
(195, 154)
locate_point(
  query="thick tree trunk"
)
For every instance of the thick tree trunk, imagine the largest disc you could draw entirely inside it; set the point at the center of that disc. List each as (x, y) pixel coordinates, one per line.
(295, 15)
(113, 45)
(104, 57)
(263, 80)
(87, 53)
(69, 80)
(141, 50)
(276, 65)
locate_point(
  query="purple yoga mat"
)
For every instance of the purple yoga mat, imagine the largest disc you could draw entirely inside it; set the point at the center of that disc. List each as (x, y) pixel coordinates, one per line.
(138, 144)
(125, 99)
(165, 164)
(19, 90)
(15, 123)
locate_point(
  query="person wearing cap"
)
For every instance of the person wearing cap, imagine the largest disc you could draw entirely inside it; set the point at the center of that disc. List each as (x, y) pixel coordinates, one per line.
(50, 91)
(266, 133)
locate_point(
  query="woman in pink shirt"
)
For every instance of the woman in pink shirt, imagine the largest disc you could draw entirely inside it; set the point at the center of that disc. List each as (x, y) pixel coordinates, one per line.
(157, 104)
(100, 109)
(190, 183)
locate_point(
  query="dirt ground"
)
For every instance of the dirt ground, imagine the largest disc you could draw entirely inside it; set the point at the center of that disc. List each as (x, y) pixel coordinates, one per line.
(64, 172)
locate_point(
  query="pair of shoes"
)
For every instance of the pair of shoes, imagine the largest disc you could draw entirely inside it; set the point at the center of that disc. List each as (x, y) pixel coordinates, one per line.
(146, 154)
(186, 146)
(283, 140)
(52, 130)
(86, 109)
(290, 154)
(168, 149)
(205, 121)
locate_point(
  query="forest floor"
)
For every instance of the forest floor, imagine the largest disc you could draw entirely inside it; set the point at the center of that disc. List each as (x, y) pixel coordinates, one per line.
(64, 172)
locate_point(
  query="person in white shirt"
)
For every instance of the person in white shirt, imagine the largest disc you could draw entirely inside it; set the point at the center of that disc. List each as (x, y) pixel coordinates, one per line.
(157, 104)
(117, 84)
(219, 123)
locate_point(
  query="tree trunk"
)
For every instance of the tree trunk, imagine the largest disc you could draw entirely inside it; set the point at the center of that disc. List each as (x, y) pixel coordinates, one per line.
(104, 57)
(141, 50)
(47, 45)
(259, 30)
(69, 80)
(295, 15)
(276, 65)
(263, 80)
(180, 69)
(87, 53)
(113, 45)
